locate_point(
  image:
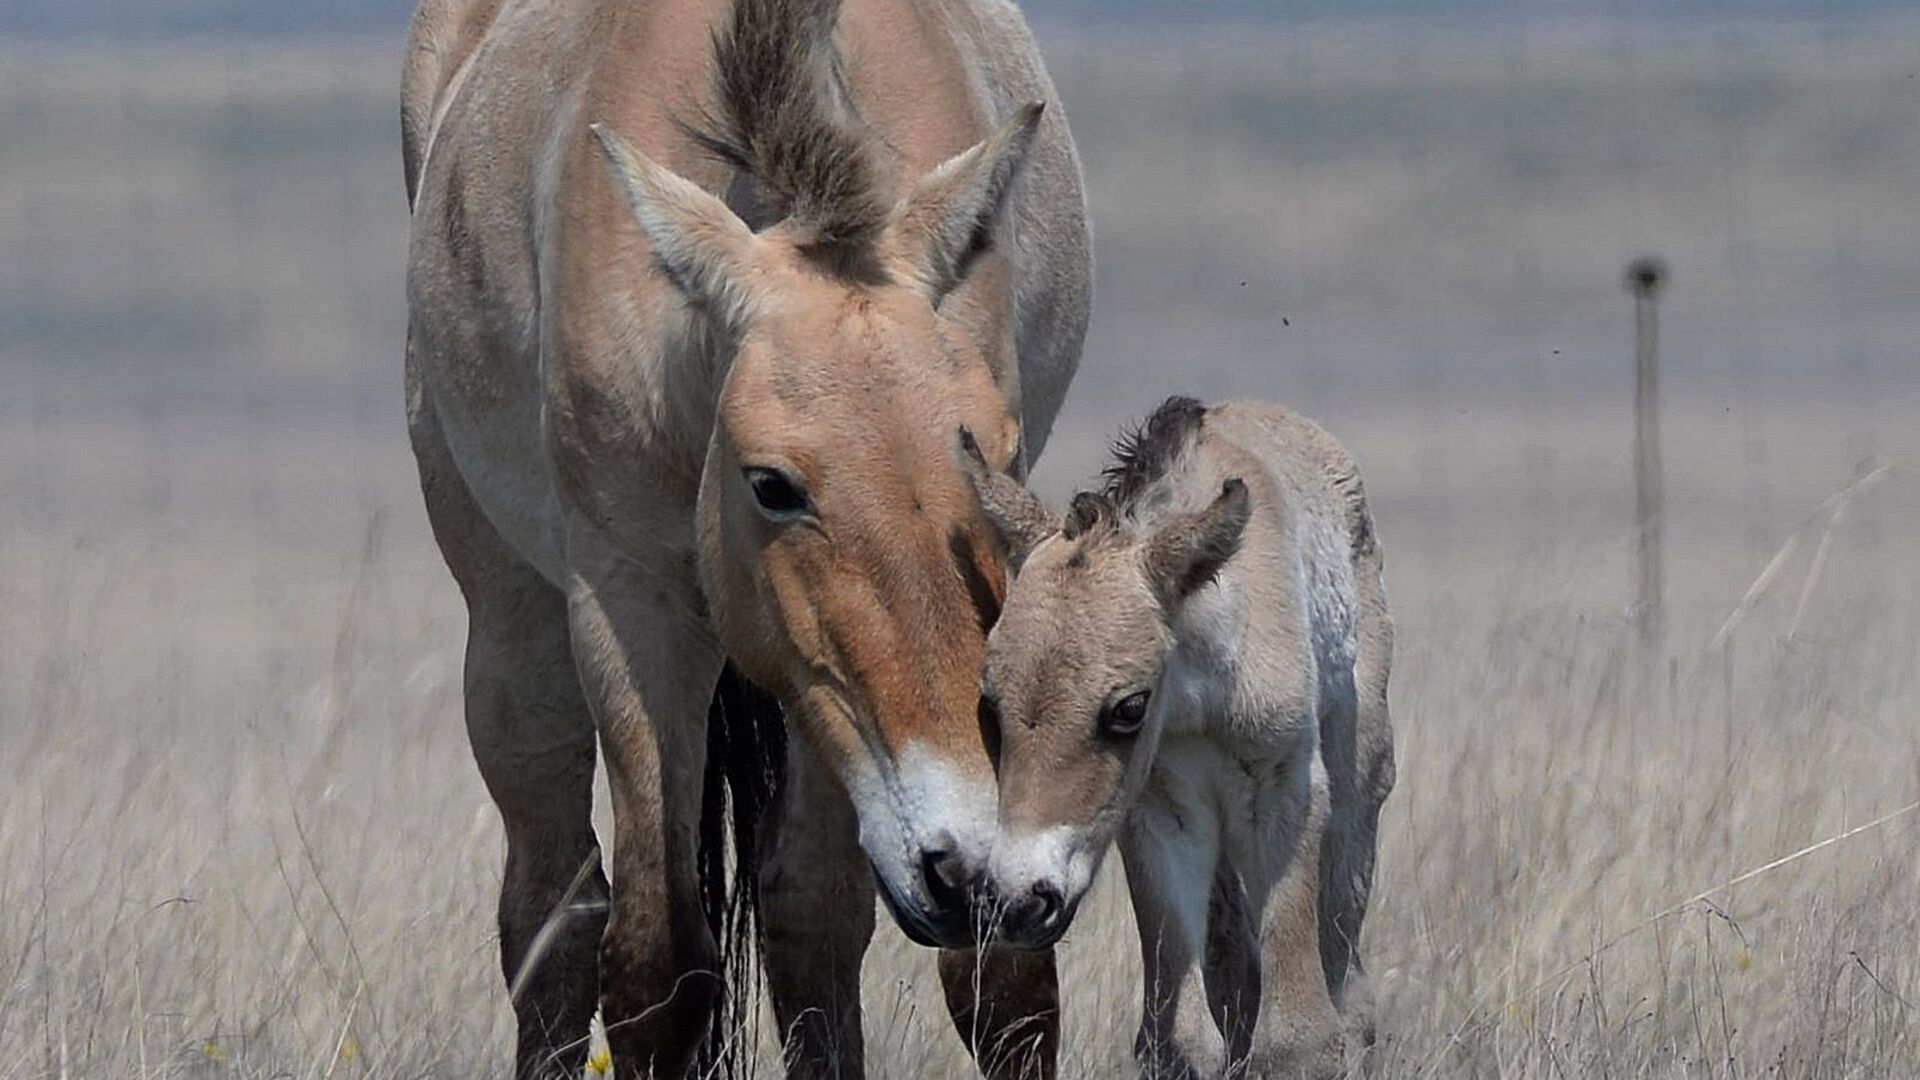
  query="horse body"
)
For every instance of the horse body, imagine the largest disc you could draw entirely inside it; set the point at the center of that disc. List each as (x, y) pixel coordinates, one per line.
(1194, 664)
(794, 256)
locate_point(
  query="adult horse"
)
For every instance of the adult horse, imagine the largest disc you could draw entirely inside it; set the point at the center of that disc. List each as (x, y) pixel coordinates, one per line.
(699, 292)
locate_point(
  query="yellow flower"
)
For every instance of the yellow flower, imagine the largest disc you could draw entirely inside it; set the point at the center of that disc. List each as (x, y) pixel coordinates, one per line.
(600, 1062)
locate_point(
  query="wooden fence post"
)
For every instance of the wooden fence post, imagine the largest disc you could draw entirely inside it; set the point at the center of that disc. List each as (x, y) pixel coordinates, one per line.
(1645, 279)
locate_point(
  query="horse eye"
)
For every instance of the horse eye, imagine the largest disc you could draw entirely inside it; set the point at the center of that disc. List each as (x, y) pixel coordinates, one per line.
(778, 495)
(1125, 716)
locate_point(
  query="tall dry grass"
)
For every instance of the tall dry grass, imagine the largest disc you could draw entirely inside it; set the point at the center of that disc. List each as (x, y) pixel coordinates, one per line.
(241, 835)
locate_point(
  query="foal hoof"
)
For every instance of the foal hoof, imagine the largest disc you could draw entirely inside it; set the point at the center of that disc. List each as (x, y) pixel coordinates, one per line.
(1320, 1057)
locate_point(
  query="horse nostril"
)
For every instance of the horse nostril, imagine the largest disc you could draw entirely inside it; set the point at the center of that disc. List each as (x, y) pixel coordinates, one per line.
(945, 873)
(1048, 903)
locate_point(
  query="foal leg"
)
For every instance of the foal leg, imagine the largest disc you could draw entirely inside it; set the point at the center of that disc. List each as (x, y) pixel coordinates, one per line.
(1005, 1002)
(1357, 748)
(1346, 881)
(1297, 1033)
(1170, 858)
(1233, 961)
(816, 909)
(649, 666)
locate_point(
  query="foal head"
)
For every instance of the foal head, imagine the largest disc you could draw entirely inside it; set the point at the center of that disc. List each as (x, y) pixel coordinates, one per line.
(1072, 692)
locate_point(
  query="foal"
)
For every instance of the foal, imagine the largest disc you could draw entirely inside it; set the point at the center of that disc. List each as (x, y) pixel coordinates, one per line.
(1195, 662)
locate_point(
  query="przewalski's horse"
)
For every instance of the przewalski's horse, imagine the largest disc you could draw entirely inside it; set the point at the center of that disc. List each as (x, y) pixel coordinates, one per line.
(700, 291)
(1195, 662)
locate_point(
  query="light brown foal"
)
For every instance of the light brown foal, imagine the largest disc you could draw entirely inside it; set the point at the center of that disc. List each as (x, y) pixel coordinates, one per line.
(1193, 664)
(699, 292)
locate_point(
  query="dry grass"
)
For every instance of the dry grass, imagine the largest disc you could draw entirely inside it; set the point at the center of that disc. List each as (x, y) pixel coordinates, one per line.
(241, 835)
(1555, 894)
(239, 831)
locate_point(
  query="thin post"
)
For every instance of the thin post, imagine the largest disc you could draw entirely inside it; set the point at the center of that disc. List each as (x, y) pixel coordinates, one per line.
(1645, 278)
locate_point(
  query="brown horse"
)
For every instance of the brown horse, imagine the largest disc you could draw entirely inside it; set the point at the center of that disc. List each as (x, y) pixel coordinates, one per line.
(700, 291)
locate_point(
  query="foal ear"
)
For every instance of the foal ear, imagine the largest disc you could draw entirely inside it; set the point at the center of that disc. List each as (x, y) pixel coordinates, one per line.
(1187, 553)
(948, 220)
(1019, 515)
(702, 246)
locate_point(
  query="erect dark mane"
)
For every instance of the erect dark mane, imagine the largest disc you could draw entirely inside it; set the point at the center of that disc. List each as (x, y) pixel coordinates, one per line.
(1090, 510)
(1144, 454)
(780, 114)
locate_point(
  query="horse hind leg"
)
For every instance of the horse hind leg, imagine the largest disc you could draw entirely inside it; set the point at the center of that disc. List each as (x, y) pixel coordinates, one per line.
(533, 739)
(1299, 1031)
(1346, 861)
(1357, 748)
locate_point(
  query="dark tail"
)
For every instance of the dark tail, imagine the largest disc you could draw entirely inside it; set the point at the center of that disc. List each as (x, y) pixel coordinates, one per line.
(746, 755)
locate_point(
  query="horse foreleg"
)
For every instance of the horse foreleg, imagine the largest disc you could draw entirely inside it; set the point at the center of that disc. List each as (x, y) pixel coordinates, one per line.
(649, 667)
(1005, 1002)
(816, 911)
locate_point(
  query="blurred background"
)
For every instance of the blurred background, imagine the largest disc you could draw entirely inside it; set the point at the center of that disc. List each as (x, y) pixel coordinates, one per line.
(239, 832)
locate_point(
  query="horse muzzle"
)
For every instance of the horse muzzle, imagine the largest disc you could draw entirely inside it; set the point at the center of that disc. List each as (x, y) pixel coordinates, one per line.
(936, 911)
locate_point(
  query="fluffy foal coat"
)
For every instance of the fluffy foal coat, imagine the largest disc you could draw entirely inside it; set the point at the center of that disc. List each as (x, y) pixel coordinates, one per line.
(1194, 663)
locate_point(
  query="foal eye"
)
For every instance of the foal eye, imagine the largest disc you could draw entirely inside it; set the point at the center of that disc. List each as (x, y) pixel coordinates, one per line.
(777, 494)
(1124, 717)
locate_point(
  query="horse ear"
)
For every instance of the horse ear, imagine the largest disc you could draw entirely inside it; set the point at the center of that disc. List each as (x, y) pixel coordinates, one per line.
(1019, 515)
(701, 245)
(949, 218)
(1189, 552)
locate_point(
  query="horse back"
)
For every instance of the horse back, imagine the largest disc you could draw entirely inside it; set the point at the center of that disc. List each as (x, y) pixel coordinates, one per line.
(440, 40)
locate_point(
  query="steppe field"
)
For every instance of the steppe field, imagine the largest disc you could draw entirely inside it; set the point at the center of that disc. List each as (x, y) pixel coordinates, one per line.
(240, 833)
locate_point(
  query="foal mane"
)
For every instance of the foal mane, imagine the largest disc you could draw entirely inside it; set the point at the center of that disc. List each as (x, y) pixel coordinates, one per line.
(781, 114)
(1140, 457)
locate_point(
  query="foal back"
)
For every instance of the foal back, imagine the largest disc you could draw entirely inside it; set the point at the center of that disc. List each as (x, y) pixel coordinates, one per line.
(1314, 472)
